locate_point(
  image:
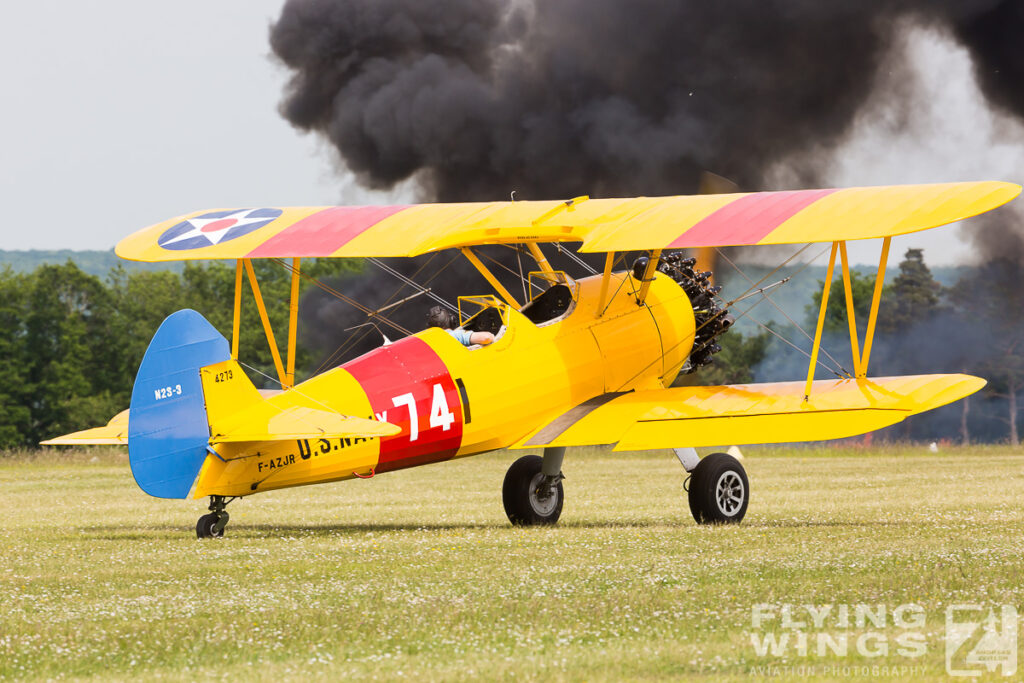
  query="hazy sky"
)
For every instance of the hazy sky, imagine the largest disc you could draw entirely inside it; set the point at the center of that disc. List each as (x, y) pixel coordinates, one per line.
(119, 114)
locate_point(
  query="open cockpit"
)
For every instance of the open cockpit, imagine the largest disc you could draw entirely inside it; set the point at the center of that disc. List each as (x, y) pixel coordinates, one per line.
(555, 301)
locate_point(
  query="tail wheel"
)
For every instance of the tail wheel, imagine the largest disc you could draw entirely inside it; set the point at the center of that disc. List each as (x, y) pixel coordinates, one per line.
(212, 525)
(719, 490)
(529, 496)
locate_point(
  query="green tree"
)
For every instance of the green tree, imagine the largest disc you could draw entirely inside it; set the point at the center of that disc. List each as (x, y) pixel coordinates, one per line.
(15, 415)
(912, 297)
(71, 362)
(736, 362)
(990, 300)
(141, 300)
(863, 288)
(209, 288)
(70, 344)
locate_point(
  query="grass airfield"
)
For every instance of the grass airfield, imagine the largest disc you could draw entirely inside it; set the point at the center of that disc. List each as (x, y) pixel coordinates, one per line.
(418, 575)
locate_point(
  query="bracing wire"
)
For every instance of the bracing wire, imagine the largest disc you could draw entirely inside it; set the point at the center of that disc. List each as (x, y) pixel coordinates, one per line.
(293, 389)
(522, 279)
(725, 309)
(347, 299)
(501, 265)
(573, 256)
(747, 312)
(409, 281)
(794, 323)
(355, 339)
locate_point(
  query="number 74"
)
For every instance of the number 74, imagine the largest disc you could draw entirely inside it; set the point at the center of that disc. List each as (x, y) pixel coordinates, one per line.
(440, 415)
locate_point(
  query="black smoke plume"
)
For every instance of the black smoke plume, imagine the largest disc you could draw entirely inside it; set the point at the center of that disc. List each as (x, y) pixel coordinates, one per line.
(474, 98)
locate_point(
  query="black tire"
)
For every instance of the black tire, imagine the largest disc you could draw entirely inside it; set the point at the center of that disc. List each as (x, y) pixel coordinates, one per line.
(519, 494)
(208, 527)
(719, 490)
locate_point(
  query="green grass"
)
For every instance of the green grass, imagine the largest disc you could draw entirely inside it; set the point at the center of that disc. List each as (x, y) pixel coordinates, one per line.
(418, 575)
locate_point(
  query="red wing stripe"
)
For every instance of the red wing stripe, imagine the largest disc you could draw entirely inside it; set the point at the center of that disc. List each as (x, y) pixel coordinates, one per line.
(324, 232)
(747, 220)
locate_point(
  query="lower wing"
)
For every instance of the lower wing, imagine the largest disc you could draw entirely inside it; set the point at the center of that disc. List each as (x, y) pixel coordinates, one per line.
(746, 414)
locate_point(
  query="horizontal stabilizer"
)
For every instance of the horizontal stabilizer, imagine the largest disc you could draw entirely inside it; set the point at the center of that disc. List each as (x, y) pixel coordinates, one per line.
(238, 412)
(114, 433)
(305, 423)
(748, 414)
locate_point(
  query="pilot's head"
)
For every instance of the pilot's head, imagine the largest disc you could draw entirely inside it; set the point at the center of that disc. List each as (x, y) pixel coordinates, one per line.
(439, 317)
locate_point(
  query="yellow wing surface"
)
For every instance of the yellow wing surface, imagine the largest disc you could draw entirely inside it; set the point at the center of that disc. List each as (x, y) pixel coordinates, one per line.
(745, 414)
(114, 433)
(600, 224)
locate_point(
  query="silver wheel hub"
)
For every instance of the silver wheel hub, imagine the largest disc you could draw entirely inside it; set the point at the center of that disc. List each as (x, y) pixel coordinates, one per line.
(543, 495)
(729, 493)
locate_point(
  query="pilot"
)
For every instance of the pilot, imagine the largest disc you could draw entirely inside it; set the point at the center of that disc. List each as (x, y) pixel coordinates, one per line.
(439, 317)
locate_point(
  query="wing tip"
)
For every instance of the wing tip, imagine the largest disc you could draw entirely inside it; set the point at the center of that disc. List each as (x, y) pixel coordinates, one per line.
(1013, 189)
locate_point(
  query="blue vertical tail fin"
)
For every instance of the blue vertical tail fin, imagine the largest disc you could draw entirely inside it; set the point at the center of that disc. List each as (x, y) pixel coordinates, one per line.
(168, 430)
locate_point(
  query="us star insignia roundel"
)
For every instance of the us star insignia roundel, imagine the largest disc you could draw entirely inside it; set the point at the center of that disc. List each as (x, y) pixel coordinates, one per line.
(215, 227)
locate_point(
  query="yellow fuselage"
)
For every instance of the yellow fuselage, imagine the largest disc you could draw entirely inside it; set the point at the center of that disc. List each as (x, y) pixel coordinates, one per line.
(452, 401)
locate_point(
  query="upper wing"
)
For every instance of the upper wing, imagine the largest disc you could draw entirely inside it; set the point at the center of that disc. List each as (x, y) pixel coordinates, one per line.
(114, 433)
(756, 413)
(759, 218)
(601, 224)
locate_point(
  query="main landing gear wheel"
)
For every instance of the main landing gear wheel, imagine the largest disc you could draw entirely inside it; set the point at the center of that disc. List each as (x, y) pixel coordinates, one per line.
(531, 497)
(719, 490)
(212, 525)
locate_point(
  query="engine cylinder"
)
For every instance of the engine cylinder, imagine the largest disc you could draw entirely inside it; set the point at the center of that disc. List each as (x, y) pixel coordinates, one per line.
(711, 319)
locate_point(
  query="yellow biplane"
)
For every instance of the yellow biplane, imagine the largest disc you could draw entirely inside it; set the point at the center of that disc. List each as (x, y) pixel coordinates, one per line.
(588, 361)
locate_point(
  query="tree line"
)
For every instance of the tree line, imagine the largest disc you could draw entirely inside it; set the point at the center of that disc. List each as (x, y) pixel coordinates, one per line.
(974, 326)
(71, 342)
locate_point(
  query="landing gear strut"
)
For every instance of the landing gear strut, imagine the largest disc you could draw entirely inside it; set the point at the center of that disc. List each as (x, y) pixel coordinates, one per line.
(532, 492)
(212, 525)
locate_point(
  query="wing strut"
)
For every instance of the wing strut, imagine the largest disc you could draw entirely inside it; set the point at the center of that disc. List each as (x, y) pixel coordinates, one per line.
(265, 319)
(652, 267)
(293, 319)
(606, 277)
(875, 300)
(539, 257)
(286, 370)
(860, 360)
(236, 323)
(821, 321)
(489, 276)
(848, 290)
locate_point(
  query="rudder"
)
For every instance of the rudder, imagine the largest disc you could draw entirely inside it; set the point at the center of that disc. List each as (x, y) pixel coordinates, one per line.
(168, 432)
